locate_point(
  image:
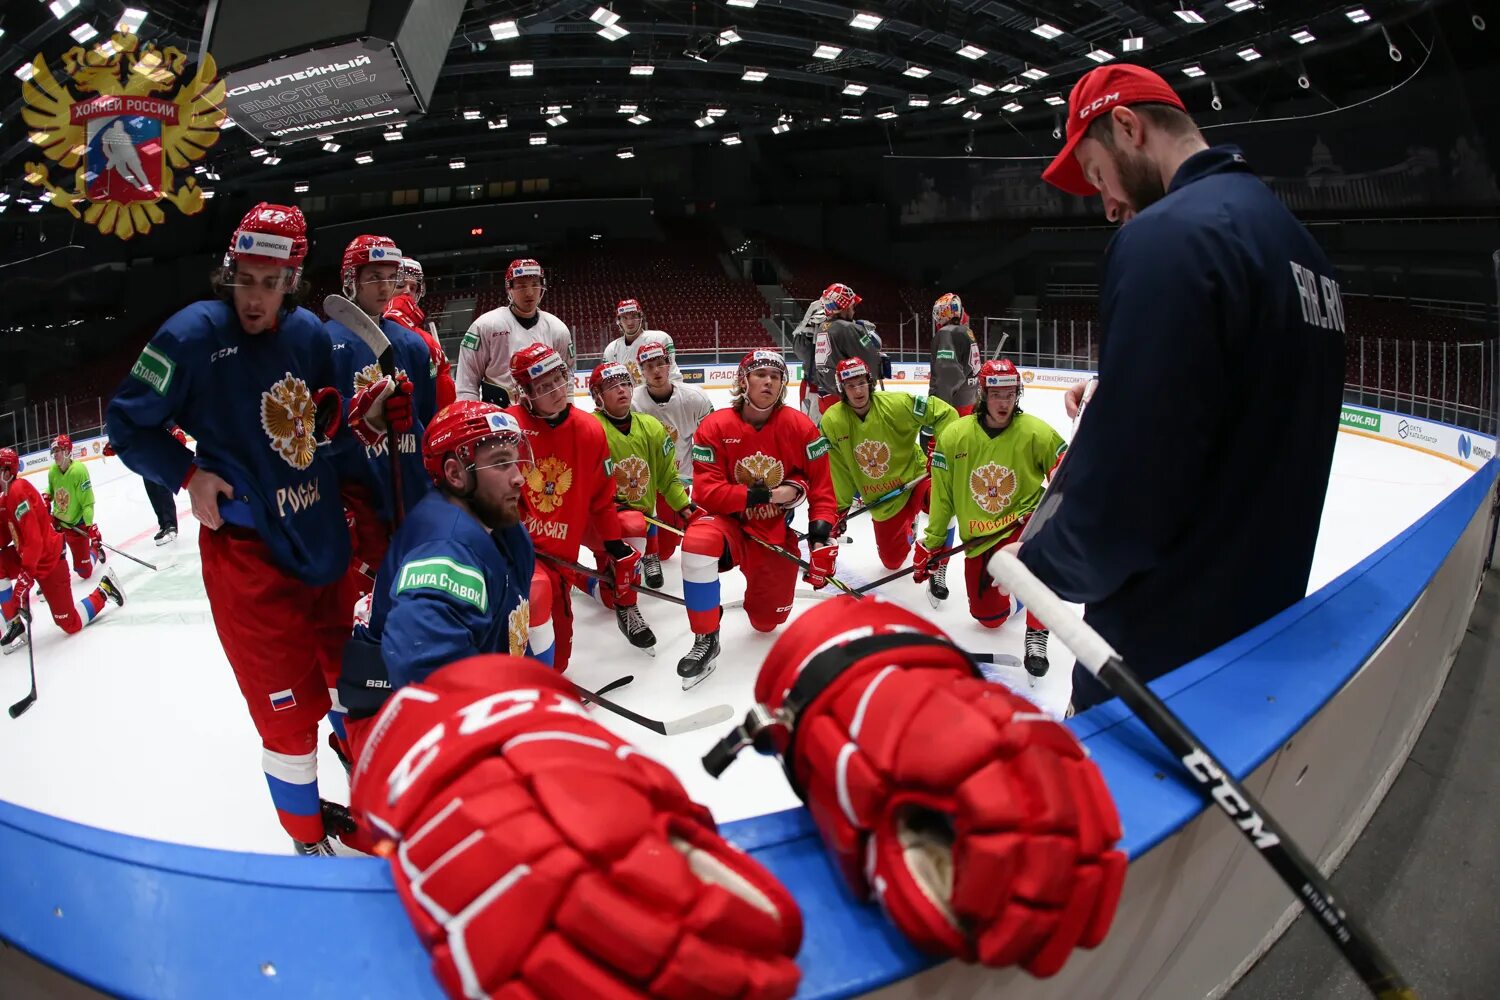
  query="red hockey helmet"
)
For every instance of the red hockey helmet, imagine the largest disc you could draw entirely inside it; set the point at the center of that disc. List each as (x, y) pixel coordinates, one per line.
(524, 267)
(850, 368)
(626, 307)
(999, 374)
(460, 429)
(758, 360)
(606, 374)
(840, 296)
(948, 309)
(411, 270)
(532, 362)
(270, 234)
(10, 463)
(651, 352)
(364, 250)
(62, 443)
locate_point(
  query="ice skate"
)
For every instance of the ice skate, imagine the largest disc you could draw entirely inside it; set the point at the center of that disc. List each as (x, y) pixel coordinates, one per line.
(695, 667)
(15, 636)
(937, 585)
(320, 849)
(165, 536)
(634, 628)
(651, 567)
(111, 587)
(1036, 654)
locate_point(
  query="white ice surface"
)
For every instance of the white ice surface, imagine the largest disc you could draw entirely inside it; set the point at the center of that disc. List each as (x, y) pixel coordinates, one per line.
(140, 728)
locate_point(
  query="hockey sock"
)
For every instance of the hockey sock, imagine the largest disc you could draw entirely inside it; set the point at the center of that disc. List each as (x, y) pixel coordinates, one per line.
(949, 538)
(700, 579)
(293, 780)
(653, 545)
(90, 606)
(540, 638)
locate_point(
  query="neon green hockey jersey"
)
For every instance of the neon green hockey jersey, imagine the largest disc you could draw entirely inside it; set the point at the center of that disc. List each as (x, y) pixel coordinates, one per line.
(643, 462)
(72, 494)
(989, 483)
(877, 454)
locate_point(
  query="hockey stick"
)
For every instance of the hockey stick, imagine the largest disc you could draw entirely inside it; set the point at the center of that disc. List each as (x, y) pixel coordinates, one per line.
(807, 566)
(936, 557)
(1220, 786)
(366, 329)
(671, 727)
(79, 531)
(870, 505)
(607, 581)
(613, 685)
(20, 707)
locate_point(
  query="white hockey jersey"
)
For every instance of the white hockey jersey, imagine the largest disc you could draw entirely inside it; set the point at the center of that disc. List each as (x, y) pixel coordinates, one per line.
(618, 350)
(484, 353)
(680, 414)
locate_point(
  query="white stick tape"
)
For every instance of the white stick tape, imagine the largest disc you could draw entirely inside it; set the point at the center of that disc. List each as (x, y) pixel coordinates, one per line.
(1087, 645)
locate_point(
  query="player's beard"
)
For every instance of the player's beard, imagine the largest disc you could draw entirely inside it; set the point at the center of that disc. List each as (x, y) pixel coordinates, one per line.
(1140, 180)
(496, 515)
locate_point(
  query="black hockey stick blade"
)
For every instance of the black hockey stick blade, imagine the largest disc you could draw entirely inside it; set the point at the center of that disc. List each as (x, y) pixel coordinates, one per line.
(366, 329)
(21, 706)
(613, 685)
(1217, 783)
(671, 727)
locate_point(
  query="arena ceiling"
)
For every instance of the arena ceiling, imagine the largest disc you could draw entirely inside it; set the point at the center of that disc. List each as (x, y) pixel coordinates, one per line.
(640, 75)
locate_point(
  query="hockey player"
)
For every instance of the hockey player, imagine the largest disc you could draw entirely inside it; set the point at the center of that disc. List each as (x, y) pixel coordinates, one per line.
(570, 494)
(249, 375)
(752, 464)
(368, 274)
(457, 579)
(484, 355)
(955, 355)
(645, 465)
(626, 348)
(988, 470)
(840, 337)
(405, 308)
(70, 498)
(872, 449)
(680, 408)
(802, 342)
(33, 554)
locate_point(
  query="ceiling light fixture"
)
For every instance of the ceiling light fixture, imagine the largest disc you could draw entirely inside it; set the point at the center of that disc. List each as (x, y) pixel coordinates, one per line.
(502, 30)
(642, 69)
(627, 153)
(728, 37)
(1188, 15)
(1132, 43)
(300, 187)
(732, 139)
(457, 163)
(854, 89)
(638, 119)
(1055, 100)
(1358, 15)
(628, 109)
(520, 69)
(886, 113)
(1249, 53)
(954, 98)
(1304, 37)
(826, 51)
(918, 101)
(971, 51)
(364, 159)
(62, 8)
(780, 127)
(557, 120)
(1033, 73)
(83, 32)
(747, 4)
(1100, 55)
(131, 21)
(331, 147)
(1194, 71)
(753, 75)
(973, 114)
(1240, 6)
(916, 72)
(703, 122)
(538, 139)
(981, 89)
(865, 21)
(1045, 30)
(1012, 107)
(500, 122)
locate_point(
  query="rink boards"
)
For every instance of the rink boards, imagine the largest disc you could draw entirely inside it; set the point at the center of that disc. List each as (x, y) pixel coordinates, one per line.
(1318, 707)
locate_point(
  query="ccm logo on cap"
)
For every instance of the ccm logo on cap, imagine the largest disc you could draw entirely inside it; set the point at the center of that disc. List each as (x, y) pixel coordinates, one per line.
(1089, 109)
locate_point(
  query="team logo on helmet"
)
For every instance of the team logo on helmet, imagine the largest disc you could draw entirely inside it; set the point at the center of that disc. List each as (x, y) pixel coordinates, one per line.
(632, 479)
(385, 253)
(286, 415)
(503, 423)
(993, 486)
(874, 457)
(518, 624)
(547, 482)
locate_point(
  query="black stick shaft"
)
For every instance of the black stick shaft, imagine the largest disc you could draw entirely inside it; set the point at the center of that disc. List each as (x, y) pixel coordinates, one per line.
(594, 574)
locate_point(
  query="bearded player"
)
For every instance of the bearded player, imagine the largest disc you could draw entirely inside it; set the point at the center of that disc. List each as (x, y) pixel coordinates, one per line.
(645, 469)
(570, 493)
(249, 375)
(70, 497)
(752, 464)
(872, 442)
(484, 355)
(634, 337)
(405, 308)
(680, 408)
(988, 470)
(457, 578)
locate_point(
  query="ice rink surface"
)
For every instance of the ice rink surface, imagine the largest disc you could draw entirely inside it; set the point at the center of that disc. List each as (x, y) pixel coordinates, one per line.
(139, 726)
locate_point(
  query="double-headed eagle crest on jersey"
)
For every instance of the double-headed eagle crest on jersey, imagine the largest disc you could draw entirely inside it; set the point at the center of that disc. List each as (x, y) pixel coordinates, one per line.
(759, 470)
(519, 625)
(371, 373)
(632, 478)
(123, 143)
(287, 416)
(547, 482)
(874, 457)
(634, 368)
(992, 486)
(61, 499)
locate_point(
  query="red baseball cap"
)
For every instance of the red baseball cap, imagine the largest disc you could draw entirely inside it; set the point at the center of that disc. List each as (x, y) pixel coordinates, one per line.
(1098, 90)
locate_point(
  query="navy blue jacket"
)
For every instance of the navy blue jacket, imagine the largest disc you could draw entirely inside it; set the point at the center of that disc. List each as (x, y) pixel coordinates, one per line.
(247, 400)
(1188, 507)
(448, 589)
(354, 367)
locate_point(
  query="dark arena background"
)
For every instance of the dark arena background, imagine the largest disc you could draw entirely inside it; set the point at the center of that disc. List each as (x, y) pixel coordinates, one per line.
(723, 162)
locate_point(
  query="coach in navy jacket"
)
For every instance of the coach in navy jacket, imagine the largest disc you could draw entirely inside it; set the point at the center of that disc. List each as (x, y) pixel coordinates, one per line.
(1188, 507)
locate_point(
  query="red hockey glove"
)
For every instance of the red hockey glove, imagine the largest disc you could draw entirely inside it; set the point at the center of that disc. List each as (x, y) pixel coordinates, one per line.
(328, 413)
(623, 560)
(404, 310)
(801, 489)
(181, 435)
(539, 855)
(841, 526)
(979, 822)
(380, 405)
(920, 555)
(21, 590)
(821, 553)
(96, 542)
(47, 500)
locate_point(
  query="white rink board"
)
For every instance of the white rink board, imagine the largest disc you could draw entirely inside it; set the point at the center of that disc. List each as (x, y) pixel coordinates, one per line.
(140, 728)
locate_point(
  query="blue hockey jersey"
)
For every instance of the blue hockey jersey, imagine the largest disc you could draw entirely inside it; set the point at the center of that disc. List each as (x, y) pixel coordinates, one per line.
(247, 399)
(355, 367)
(1188, 507)
(448, 588)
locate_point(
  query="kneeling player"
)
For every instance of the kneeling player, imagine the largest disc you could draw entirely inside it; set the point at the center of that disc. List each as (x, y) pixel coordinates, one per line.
(70, 495)
(751, 464)
(680, 408)
(988, 469)
(456, 578)
(872, 439)
(34, 554)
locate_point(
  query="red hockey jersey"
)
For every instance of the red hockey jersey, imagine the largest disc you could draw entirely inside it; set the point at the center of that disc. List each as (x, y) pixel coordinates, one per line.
(28, 525)
(729, 456)
(570, 484)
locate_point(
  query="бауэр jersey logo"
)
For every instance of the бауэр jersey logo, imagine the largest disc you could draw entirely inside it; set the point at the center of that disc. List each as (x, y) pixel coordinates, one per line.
(123, 143)
(287, 415)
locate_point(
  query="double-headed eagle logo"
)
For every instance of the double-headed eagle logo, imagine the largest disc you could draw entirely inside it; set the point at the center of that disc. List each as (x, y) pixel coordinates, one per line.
(122, 144)
(759, 469)
(632, 478)
(519, 626)
(874, 457)
(547, 482)
(992, 486)
(287, 415)
(60, 500)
